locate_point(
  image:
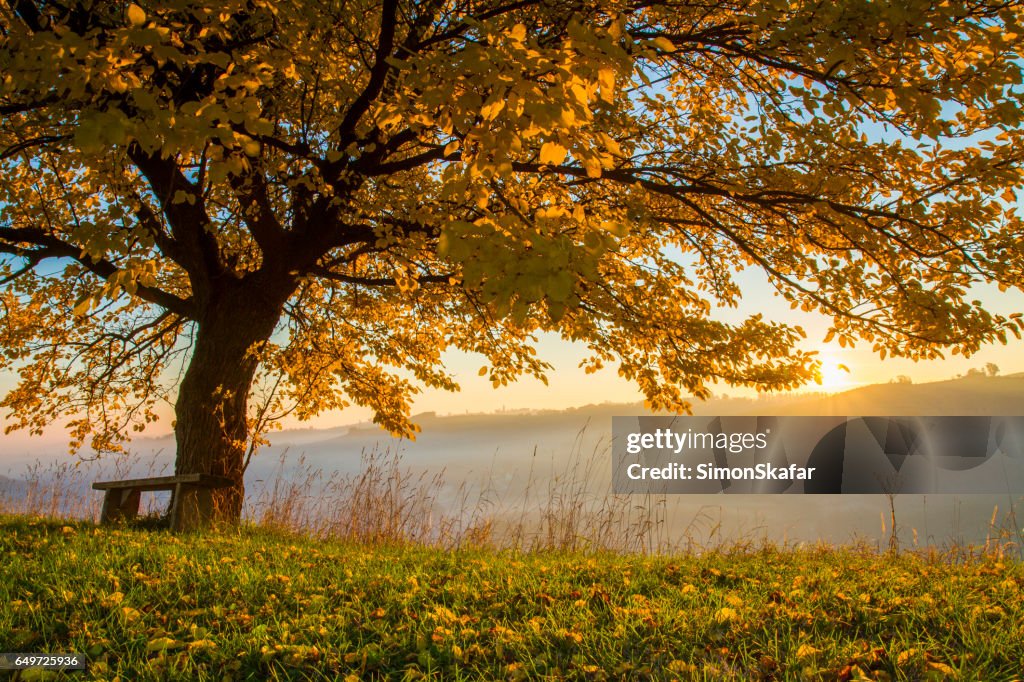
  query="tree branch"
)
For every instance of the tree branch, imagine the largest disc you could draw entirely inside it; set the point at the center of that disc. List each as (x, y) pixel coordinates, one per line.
(188, 220)
(258, 214)
(34, 142)
(378, 74)
(52, 247)
(377, 281)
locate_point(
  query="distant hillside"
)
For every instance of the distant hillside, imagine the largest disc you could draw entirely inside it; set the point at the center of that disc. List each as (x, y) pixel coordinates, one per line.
(467, 437)
(12, 488)
(963, 396)
(1001, 395)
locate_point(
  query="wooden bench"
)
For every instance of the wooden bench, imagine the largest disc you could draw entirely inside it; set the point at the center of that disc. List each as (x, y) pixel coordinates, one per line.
(191, 498)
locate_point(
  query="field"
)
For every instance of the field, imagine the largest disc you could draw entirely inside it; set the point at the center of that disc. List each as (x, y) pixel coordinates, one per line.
(256, 604)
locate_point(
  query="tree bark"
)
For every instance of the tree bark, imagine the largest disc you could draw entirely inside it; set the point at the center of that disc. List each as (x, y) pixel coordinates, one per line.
(211, 428)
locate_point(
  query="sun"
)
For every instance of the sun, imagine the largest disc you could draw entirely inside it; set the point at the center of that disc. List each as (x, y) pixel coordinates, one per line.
(835, 376)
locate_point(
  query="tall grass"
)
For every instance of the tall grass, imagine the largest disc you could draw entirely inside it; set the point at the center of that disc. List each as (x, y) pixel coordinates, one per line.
(383, 502)
(64, 489)
(561, 505)
(567, 506)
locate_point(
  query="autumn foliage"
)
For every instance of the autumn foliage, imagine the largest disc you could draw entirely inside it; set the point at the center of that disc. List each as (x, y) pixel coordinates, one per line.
(263, 208)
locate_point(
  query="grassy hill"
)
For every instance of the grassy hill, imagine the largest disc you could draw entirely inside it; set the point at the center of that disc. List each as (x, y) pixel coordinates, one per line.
(254, 605)
(972, 395)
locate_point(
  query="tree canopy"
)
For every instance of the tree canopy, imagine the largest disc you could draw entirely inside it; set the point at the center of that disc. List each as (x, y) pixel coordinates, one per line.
(317, 199)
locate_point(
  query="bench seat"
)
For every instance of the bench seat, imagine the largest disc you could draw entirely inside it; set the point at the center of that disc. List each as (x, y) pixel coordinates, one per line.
(191, 498)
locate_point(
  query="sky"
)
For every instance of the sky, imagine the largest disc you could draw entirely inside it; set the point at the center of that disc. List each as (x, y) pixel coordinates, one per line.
(568, 386)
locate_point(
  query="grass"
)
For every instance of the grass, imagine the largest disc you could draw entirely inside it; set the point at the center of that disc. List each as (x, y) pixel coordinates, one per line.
(566, 503)
(566, 506)
(259, 604)
(390, 574)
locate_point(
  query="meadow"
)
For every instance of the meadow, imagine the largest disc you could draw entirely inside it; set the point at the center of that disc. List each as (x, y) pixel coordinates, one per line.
(255, 603)
(387, 573)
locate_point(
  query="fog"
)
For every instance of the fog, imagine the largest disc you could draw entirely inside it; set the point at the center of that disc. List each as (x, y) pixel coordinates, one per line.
(521, 465)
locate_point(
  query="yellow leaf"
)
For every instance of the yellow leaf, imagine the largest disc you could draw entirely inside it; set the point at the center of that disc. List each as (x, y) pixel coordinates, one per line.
(82, 307)
(552, 153)
(112, 599)
(677, 666)
(941, 667)
(128, 614)
(727, 614)
(162, 644)
(518, 33)
(491, 110)
(806, 651)
(664, 44)
(136, 15)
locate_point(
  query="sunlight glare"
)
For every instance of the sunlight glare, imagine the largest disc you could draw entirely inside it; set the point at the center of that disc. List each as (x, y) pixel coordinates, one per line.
(835, 375)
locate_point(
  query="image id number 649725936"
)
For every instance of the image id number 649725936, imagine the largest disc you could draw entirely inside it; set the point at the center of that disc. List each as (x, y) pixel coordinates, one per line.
(24, 661)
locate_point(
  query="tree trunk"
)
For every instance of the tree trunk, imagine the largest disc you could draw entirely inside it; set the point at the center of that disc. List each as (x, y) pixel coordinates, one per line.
(211, 429)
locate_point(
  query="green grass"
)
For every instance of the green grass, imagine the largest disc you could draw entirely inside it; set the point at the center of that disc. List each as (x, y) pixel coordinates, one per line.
(254, 605)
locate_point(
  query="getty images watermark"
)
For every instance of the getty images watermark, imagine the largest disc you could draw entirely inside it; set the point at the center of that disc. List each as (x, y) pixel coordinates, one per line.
(818, 455)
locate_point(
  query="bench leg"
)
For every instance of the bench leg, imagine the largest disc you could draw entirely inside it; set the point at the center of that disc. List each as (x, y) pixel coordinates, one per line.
(191, 508)
(120, 504)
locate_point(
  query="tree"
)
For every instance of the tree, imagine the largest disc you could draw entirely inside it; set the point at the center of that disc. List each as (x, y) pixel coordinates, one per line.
(316, 199)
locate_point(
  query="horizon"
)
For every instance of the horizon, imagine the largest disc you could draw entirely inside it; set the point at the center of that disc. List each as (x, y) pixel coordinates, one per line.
(811, 392)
